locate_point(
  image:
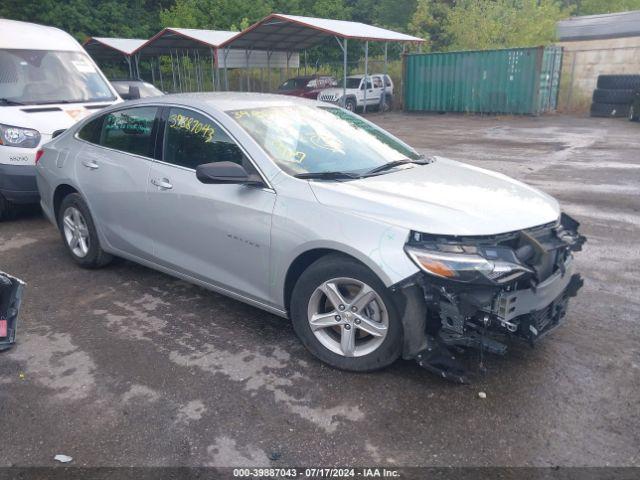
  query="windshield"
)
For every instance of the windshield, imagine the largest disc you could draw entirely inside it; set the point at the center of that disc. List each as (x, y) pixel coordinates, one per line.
(351, 82)
(305, 139)
(36, 77)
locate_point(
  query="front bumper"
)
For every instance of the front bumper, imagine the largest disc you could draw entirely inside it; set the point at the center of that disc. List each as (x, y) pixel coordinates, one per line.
(441, 316)
(18, 183)
(10, 299)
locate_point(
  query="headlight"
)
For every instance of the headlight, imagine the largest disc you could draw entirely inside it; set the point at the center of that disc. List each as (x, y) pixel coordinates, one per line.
(464, 267)
(19, 137)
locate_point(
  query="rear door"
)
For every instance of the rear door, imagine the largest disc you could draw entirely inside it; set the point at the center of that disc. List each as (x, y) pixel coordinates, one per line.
(113, 169)
(218, 233)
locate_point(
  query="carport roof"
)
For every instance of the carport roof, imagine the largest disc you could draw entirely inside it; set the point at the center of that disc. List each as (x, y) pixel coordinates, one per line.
(170, 39)
(103, 47)
(294, 33)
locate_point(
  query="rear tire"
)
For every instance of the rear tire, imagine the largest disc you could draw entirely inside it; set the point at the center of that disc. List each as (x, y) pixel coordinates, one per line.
(368, 307)
(7, 209)
(633, 115)
(79, 233)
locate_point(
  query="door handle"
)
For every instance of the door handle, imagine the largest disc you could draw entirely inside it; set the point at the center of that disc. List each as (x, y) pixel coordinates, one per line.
(90, 164)
(162, 183)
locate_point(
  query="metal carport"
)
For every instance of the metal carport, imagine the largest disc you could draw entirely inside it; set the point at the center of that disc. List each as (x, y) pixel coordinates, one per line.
(109, 49)
(193, 46)
(290, 33)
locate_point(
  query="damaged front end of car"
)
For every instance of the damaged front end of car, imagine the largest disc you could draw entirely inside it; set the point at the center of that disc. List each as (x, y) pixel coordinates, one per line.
(10, 299)
(478, 292)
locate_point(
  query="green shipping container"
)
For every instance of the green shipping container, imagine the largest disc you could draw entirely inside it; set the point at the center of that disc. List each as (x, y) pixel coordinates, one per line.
(511, 81)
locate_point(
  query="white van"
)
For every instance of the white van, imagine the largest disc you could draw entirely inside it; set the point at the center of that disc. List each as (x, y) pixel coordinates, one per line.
(47, 83)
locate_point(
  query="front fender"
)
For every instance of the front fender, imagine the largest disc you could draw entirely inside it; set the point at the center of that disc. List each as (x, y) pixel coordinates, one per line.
(377, 245)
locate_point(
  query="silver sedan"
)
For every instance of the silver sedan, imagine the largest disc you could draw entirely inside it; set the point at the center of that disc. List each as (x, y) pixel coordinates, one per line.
(313, 213)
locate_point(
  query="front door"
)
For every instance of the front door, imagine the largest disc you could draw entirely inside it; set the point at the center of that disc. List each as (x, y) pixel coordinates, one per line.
(218, 233)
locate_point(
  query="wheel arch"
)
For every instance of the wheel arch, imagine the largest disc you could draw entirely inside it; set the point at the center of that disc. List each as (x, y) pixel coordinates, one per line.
(303, 260)
(61, 191)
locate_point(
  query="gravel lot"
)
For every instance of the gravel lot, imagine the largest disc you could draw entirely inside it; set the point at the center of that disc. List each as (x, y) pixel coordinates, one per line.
(127, 366)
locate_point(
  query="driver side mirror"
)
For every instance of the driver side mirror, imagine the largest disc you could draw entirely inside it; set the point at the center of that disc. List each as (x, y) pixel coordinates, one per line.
(225, 172)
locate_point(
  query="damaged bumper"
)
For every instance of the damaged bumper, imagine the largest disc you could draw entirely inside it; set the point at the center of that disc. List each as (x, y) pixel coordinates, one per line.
(478, 292)
(10, 298)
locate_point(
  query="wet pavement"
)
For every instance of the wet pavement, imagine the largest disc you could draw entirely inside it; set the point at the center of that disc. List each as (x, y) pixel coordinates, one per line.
(128, 366)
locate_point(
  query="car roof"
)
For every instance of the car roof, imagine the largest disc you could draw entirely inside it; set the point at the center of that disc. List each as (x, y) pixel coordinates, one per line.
(31, 36)
(224, 101)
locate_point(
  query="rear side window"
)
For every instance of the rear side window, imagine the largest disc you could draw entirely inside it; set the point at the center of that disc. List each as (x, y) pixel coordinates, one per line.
(191, 139)
(387, 80)
(130, 130)
(91, 131)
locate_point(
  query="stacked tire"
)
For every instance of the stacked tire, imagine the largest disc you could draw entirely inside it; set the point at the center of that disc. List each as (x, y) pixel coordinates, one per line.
(614, 95)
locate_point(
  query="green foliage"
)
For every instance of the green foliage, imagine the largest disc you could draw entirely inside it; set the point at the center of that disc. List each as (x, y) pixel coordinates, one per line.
(589, 7)
(482, 24)
(446, 24)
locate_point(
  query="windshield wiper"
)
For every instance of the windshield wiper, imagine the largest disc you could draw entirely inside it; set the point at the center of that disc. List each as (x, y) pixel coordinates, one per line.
(396, 163)
(327, 175)
(6, 101)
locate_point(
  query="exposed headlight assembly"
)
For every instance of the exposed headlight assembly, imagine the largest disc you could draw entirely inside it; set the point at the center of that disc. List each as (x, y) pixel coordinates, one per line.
(462, 266)
(19, 137)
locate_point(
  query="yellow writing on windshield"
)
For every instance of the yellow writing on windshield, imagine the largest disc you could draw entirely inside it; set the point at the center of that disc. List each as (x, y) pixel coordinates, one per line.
(192, 125)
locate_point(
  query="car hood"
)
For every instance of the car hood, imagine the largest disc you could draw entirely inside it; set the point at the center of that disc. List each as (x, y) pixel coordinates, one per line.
(337, 92)
(46, 119)
(443, 197)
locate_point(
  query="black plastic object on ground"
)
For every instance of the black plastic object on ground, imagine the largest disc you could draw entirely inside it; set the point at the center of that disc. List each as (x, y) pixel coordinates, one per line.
(619, 82)
(10, 299)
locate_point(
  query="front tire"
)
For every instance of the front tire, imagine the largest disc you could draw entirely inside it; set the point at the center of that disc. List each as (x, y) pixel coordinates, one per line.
(79, 233)
(345, 316)
(350, 105)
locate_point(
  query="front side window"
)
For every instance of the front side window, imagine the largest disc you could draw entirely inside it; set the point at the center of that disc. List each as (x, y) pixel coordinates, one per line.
(191, 139)
(304, 139)
(38, 77)
(130, 130)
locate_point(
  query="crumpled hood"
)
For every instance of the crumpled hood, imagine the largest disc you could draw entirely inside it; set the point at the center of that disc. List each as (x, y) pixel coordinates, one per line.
(443, 197)
(45, 122)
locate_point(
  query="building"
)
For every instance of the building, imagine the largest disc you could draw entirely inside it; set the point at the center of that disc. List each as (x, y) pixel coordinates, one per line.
(594, 45)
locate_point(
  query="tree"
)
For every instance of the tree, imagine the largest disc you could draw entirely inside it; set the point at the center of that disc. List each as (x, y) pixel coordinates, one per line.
(590, 7)
(486, 24)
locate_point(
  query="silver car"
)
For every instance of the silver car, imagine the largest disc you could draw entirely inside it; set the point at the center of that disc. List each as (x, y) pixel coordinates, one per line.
(304, 209)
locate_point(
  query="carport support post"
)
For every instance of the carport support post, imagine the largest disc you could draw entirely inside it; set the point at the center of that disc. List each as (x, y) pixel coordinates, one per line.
(247, 54)
(160, 72)
(226, 75)
(366, 74)
(269, 53)
(129, 63)
(343, 46)
(213, 67)
(135, 58)
(383, 100)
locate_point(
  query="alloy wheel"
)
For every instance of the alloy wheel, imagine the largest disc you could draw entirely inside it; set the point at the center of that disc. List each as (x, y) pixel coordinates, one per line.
(348, 317)
(76, 232)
